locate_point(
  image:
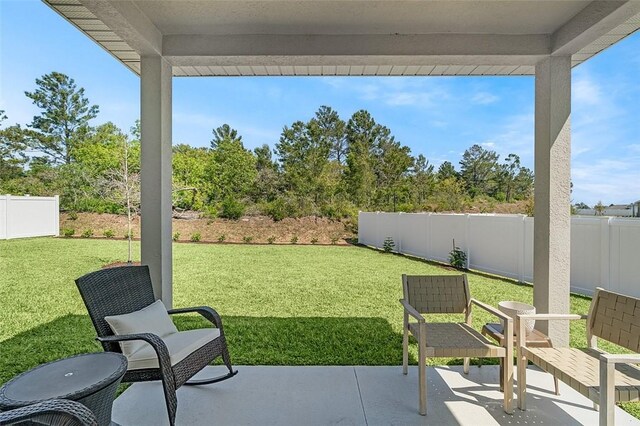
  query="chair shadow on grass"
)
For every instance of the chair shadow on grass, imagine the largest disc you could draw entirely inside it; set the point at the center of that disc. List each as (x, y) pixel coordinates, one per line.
(307, 340)
(252, 341)
(65, 336)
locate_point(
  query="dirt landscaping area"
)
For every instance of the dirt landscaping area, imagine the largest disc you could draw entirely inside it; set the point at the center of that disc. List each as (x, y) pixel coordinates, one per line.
(249, 229)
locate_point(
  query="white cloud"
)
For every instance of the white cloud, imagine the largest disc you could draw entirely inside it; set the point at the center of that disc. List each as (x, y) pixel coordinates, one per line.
(197, 119)
(201, 125)
(515, 136)
(439, 123)
(407, 98)
(394, 91)
(595, 110)
(484, 98)
(607, 180)
(586, 90)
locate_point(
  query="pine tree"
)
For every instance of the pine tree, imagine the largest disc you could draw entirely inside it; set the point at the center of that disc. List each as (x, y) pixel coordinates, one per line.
(64, 121)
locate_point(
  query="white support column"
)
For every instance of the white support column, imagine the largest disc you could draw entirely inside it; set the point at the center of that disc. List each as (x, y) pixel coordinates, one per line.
(552, 222)
(155, 128)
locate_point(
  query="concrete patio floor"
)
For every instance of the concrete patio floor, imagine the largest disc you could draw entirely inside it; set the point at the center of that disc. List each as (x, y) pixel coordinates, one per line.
(264, 395)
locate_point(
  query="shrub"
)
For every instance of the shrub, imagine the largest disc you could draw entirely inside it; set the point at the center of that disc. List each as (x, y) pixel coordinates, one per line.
(529, 207)
(195, 237)
(209, 212)
(126, 235)
(68, 232)
(351, 224)
(457, 257)
(97, 205)
(294, 239)
(109, 233)
(276, 209)
(406, 207)
(221, 238)
(176, 236)
(88, 233)
(231, 208)
(334, 240)
(388, 245)
(314, 241)
(271, 239)
(501, 197)
(73, 215)
(338, 210)
(247, 239)
(281, 208)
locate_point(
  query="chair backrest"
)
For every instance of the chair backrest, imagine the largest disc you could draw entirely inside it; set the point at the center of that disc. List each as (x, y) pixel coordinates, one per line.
(616, 318)
(115, 291)
(437, 294)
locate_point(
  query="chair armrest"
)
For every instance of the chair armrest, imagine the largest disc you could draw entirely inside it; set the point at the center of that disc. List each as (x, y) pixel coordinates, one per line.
(521, 320)
(507, 322)
(68, 412)
(155, 341)
(552, 317)
(491, 310)
(412, 311)
(158, 345)
(620, 358)
(207, 312)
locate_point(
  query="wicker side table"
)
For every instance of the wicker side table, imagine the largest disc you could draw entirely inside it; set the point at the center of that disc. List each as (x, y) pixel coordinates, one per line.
(91, 379)
(534, 339)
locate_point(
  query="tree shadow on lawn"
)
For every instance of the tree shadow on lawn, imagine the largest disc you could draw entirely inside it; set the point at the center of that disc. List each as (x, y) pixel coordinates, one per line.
(252, 341)
(65, 336)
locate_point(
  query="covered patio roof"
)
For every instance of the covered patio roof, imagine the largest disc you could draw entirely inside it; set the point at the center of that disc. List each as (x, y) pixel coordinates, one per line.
(351, 37)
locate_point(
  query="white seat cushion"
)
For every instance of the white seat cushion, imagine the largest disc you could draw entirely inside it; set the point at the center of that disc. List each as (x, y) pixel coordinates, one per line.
(180, 345)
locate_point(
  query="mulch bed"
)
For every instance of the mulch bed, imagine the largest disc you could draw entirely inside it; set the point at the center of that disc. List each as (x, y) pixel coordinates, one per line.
(117, 264)
(260, 229)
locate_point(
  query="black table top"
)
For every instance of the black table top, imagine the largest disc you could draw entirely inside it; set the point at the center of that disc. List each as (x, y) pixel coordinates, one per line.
(69, 378)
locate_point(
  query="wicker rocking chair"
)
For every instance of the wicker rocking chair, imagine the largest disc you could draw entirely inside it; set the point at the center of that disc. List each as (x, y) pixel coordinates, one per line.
(126, 289)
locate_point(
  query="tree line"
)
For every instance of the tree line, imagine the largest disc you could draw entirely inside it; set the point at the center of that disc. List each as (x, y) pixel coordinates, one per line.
(323, 166)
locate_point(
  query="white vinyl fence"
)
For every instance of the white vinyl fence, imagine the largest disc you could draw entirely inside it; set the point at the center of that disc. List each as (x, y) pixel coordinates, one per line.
(22, 217)
(605, 252)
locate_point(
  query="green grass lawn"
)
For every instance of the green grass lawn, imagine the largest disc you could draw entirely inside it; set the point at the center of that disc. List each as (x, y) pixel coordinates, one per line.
(281, 305)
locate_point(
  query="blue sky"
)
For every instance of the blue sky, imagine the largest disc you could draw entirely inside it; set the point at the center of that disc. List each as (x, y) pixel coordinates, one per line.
(437, 116)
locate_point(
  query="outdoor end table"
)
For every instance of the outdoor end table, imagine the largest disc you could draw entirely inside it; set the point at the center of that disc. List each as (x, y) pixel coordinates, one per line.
(91, 379)
(534, 339)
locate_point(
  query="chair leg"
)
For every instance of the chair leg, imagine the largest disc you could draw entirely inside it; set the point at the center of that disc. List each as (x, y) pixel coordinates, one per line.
(405, 351)
(465, 367)
(522, 381)
(422, 378)
(227, 362)
(607, 393)
(507, 383)
(169, 388)
(501, 374)
(227, 359)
